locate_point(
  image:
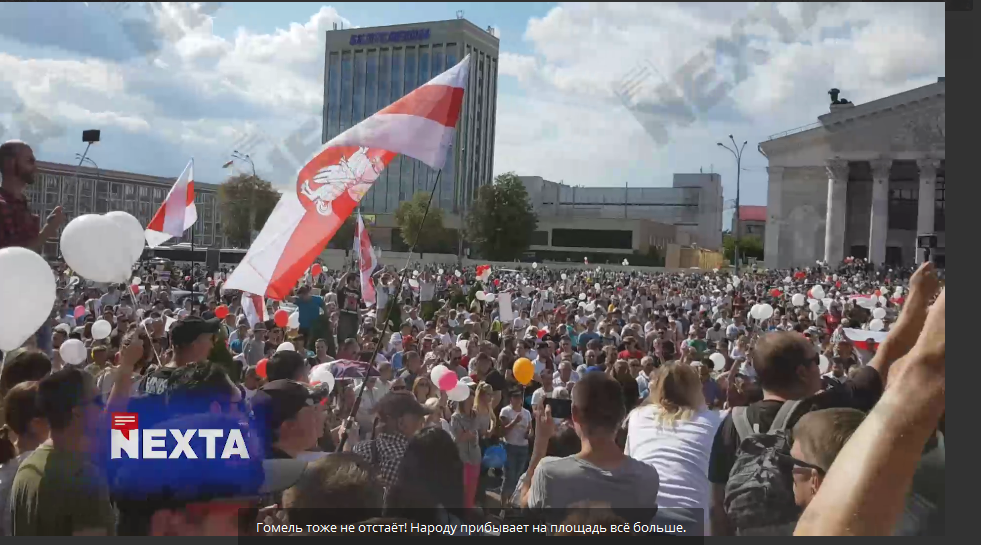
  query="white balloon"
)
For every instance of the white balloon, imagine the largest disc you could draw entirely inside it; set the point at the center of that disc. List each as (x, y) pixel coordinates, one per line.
(564, 276)
(72, 351)
(286, 347)
(534, 265)
(27, 294)
(133, 233)
(467, 380)
(827, 302)
(321, 375)
(458, 274)
(815, 306)
(590, 307)
(788, 280)
(754, 312)
(626, 263)
(883, 300)
(879, 313)
(480, 295)
(798, 300)
(877, 325)
(294, 321)
(489, 297)
(136, 281)
(736, 282)
(719, 360)
(440, 271)
(825, 364)
(899, 291)
(438, 372)
(95, 248)
(582, 296)
(415, 274)
(597, 287)
(413, 283)
(765, 312)
(460, 393)
(101, 329)
(728, 287)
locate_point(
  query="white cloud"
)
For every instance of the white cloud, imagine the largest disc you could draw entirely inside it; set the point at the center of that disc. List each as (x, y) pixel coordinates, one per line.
(571, 126)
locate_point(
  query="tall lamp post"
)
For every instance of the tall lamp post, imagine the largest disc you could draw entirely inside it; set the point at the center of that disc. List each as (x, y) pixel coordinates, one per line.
(737, 152)
(245, 157)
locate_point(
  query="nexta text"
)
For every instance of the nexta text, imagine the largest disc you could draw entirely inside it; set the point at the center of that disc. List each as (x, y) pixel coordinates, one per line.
(126, 438)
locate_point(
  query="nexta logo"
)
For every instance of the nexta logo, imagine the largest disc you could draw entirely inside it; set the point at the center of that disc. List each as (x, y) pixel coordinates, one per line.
(125, 438)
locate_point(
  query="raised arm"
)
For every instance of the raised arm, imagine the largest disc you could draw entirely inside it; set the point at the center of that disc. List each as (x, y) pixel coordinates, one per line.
(923, 287)
(865, 491)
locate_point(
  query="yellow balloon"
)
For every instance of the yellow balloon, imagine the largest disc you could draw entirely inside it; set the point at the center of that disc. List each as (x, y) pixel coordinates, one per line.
(523, 371)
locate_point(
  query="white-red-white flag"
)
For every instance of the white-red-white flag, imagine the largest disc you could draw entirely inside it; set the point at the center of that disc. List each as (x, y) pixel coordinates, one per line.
(421, 125)
(254, 307)
(366, 261)
(177, 214)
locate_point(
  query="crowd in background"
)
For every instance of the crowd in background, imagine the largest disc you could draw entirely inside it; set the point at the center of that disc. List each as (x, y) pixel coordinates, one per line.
(664, 383)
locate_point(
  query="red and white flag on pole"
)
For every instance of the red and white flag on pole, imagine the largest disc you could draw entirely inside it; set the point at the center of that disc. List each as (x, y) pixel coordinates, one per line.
(421, 125)
(254, 307)
(366, 261)
(177, 214)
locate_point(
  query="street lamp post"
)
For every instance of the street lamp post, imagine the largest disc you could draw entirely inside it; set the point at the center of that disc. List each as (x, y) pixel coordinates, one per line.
(737, 152)
(98, 176)
(255, 180)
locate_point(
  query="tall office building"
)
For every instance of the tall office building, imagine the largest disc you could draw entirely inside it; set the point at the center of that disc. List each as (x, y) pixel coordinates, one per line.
(369, 68)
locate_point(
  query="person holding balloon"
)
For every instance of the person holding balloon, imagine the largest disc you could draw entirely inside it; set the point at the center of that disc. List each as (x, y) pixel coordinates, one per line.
(466, 426)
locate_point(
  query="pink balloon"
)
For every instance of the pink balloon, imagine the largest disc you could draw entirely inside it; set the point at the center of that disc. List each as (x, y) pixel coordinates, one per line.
(79, 311)
(448, 381)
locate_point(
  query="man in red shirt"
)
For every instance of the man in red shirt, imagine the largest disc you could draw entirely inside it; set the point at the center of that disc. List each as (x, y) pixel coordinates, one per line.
(18, 226)
(630, 350)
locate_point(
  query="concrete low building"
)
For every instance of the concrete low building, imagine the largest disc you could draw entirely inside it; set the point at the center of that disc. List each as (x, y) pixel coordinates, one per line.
(752, 222)
(863, 181)
(692, 206)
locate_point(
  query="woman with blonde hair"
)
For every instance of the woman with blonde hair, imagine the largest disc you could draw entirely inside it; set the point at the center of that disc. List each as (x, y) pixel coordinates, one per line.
(673, 431)
(424, 389)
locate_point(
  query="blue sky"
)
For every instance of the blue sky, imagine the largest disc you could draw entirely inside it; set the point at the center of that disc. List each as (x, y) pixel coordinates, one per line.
(217, 72)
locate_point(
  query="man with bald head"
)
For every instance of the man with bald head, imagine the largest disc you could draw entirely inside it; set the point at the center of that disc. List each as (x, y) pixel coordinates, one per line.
(18, 226)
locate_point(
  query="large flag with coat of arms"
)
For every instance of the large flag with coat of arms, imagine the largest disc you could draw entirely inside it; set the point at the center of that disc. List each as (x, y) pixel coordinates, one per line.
(421, 125)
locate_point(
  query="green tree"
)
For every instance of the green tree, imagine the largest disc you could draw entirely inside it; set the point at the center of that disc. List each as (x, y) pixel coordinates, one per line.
(502, 221)
(236, 196)
(409, 218)
(749, 246)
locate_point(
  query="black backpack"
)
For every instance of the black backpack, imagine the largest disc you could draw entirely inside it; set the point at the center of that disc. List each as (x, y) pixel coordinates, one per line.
(759, 498)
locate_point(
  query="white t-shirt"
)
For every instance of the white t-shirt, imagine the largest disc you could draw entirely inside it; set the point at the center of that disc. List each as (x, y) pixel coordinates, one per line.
(539, 396)
(680, 453)
(518, 435)
(520, 323)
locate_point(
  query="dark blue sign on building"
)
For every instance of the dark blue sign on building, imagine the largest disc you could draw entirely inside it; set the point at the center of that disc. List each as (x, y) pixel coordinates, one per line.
(386, 37)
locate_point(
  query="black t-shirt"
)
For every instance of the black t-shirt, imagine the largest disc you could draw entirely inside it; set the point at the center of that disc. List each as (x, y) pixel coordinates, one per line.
(155, 382)
(348, 300)
(498, 384)
(860, 393)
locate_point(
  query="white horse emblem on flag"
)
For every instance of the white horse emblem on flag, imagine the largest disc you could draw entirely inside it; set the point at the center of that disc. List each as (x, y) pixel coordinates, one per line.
(354, 175)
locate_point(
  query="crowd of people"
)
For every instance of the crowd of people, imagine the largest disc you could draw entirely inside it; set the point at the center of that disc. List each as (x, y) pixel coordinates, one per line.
(808, 401)
(651, 425)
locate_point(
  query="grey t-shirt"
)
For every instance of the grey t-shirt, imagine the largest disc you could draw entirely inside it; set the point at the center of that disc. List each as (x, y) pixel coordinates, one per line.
(562, 482)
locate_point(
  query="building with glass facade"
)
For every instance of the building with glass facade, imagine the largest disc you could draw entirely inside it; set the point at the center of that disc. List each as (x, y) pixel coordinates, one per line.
(369, 68)
(96, 191)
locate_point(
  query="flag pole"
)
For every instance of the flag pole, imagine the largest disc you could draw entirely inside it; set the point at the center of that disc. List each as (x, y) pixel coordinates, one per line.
(385, 326)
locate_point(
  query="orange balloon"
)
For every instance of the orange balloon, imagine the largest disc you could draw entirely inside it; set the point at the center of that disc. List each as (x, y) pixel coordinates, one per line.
(524, 371)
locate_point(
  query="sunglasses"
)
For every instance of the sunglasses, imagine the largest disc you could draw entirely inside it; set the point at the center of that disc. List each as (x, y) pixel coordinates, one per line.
(788, 461)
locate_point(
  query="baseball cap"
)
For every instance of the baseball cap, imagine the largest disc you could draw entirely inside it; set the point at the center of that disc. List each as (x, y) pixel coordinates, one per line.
(187, 330)
(143, 486)
(401, 403)
(279, 400)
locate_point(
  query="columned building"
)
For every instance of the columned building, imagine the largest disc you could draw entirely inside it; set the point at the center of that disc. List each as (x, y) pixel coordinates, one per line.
(862, 182)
